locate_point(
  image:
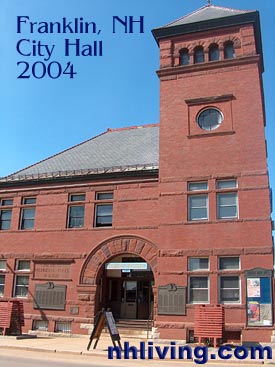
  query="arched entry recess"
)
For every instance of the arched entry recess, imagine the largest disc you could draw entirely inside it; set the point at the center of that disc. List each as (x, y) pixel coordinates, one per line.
(95, 285)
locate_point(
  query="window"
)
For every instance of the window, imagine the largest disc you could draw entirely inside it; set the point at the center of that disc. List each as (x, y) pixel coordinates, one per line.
(40, 325)
(5, 214)
(23, 265)
(226, 184)
(3, 265)
(198, 55)
(28, 214)
(227, 202)
(214, 52)
(184, 57)
(229, 289)
(197, 207)
(2, 285)
(198, 263)
(198, 290)
(104, 211)
(229, 52)
(63, 327)
(227, 205)
(76, 212)
(197, 186)
(210, 118)
(21, 286)
(229, 263)
(6, 202)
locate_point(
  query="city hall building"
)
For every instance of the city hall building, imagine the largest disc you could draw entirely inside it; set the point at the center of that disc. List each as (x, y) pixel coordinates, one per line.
(156, 221)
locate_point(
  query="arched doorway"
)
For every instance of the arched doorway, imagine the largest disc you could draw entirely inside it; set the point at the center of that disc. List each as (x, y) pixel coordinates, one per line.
(129, 280)
(120, 273)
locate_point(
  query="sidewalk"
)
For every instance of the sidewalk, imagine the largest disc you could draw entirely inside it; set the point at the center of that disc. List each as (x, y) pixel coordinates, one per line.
(77, 345)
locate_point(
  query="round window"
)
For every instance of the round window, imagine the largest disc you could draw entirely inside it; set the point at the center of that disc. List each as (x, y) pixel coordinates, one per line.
(210, 119)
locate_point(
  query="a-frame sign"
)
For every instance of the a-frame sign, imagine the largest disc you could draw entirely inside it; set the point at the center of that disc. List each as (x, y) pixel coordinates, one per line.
(105, 317)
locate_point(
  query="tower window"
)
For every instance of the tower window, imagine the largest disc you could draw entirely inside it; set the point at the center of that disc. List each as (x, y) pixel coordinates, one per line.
(214, 52)
(184, 57)
(198, 55)
(229, 52)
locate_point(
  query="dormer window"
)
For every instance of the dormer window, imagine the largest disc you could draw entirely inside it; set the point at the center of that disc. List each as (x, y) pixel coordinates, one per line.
(184, 57)
(198, 55)
(229, 52)
(214, 52)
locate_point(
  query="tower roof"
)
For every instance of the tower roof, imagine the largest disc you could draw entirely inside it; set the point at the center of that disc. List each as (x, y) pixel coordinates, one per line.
(206, 13)
(206, 18)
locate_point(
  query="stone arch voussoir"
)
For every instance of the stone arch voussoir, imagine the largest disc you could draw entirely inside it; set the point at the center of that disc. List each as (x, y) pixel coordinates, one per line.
(115, 246)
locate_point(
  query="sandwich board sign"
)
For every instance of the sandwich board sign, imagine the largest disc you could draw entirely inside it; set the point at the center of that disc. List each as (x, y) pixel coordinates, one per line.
(105, 318)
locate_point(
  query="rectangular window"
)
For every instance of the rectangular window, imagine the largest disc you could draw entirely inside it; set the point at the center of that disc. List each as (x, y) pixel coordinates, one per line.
(198, 263)
(197, 186)
(3, 265)
(104, 211)
(76, 216)
(104, 215)
(198, 290)
(229, 263)
(104, 196)
(27, 213)
(63, 327)
(226, 184)
(227, 205)
(23, 265)
(40, 325)
(2, 285)
(77, 197)
(198, 207)
(29, 201)
(5, 214)
(5, 219)
(6, 202)
(229, 289)
(76, 212)
(21, 286)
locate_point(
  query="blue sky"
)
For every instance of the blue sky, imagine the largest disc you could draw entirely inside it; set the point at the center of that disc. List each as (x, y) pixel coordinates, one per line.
(40, 117)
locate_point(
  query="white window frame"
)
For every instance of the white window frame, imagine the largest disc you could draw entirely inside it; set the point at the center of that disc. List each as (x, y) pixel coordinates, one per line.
(16, 285)
(2, 284)
(189, 185)
(229, 257)
(239, 281)
(197, 258)
(219, 194)
(189, 289)
(28, 269)
(190, 219)
(3, 261)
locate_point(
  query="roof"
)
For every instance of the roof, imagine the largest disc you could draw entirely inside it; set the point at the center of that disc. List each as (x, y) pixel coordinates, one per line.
(207, 18)
(206, 13)
(117, 150)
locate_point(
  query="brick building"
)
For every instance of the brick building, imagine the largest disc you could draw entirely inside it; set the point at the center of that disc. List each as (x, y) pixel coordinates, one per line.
(155, 220)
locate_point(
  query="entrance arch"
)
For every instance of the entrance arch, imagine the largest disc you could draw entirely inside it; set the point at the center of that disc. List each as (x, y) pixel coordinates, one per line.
(97, 285)
(104, 252)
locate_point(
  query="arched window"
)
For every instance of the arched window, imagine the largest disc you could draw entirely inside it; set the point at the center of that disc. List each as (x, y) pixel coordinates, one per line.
(214, 52)
(229, 52)
(184, 57)
(198, 55)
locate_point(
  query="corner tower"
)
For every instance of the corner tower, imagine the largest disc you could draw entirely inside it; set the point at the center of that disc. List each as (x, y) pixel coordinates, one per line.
(214, 187)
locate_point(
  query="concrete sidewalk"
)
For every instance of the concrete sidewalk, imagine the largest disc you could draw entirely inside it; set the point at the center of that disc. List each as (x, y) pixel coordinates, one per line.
(77, 345)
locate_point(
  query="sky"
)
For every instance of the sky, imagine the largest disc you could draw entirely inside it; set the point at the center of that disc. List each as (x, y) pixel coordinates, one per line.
(41, 116)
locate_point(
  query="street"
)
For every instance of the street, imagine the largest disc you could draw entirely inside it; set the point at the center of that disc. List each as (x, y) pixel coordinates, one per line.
(23, 358)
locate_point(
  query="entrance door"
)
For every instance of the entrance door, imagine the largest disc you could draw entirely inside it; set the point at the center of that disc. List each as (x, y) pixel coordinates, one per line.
(129, 300)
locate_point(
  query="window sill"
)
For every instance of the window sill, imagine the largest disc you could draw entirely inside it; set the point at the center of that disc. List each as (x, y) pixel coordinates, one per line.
(233, 220)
